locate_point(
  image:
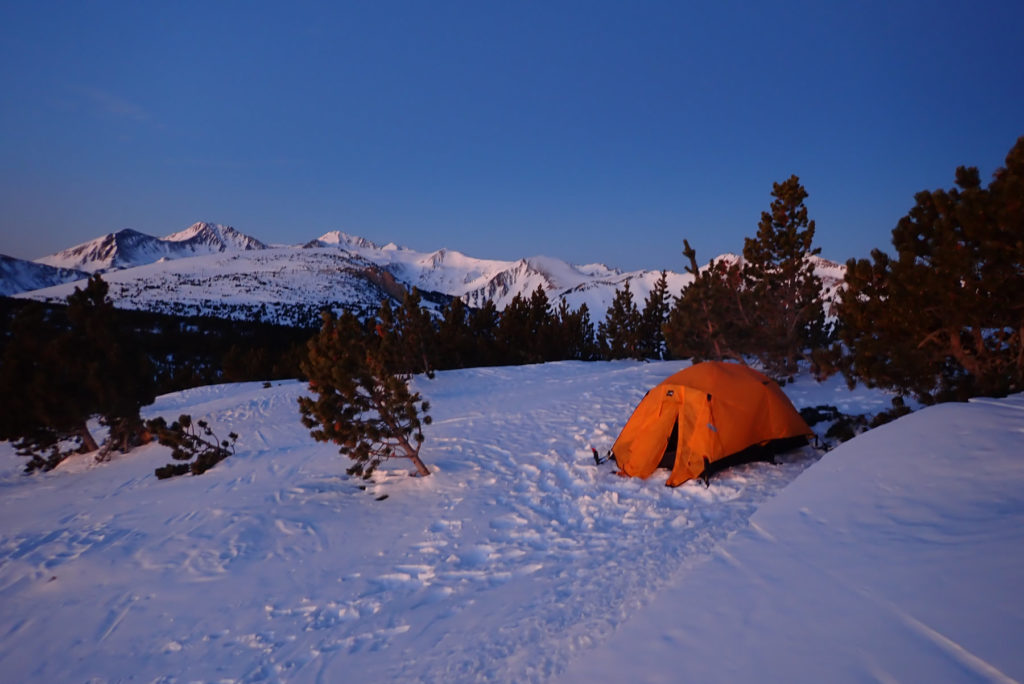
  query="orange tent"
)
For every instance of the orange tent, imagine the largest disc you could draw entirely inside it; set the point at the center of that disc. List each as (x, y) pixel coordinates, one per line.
(713, 410)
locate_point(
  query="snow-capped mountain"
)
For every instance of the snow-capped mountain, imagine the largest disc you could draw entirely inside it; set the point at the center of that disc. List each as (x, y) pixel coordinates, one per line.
(129, 248)
(20, 275)
(122, 249)
(215, 270)
(479, 280)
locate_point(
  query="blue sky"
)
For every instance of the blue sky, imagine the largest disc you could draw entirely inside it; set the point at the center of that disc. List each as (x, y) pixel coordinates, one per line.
(590, 131)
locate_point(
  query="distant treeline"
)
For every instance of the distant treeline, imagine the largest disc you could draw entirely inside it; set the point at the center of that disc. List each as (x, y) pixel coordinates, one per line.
(193, 350)
(189, 351)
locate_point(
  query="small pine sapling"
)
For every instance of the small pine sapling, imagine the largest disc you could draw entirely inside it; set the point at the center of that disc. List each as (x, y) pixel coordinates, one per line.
(361, 403)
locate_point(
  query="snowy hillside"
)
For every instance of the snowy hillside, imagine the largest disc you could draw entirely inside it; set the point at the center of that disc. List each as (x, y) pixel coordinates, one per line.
(19, 275)
(128, 248)
(281, 285)
(519, 560)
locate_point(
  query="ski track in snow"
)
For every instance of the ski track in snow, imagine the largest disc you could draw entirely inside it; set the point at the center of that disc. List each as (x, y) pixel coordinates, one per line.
(275, 566)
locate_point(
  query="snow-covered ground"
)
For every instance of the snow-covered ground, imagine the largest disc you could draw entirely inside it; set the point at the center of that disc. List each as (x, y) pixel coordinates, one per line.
(897, 557)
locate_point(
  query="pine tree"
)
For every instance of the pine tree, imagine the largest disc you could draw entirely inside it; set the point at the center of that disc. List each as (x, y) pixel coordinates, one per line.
(653, 318)
(388, 334)
(454, 338)
(540, 341)
(575, 333)
(944, 319)
(361, 404)
(34, 415)
(484, 333)
(415, 329)
(709, 319)
(784, 293)
(514, 331)
(59, 374)
(619, 334)
(119, 377)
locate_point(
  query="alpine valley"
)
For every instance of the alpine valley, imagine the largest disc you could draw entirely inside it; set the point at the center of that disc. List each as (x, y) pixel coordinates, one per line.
(215, 270)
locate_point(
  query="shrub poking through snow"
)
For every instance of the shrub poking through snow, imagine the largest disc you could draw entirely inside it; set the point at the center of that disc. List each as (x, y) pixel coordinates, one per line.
(363, 402)
(841, 427)
(201, 449)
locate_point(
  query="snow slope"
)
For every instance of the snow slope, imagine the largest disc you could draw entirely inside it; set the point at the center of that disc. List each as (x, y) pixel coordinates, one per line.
(281, 285)
(519, 560)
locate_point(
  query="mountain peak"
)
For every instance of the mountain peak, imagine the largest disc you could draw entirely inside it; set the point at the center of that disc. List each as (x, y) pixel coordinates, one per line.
(113, 250)
(338, 238)
(198, 228)
(215, 236)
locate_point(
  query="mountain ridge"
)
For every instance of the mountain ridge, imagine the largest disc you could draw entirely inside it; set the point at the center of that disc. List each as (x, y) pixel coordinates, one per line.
(209, 269)
(128, 248)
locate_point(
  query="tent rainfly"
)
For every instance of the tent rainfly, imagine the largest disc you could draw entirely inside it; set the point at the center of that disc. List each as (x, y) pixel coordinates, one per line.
(703, 414)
